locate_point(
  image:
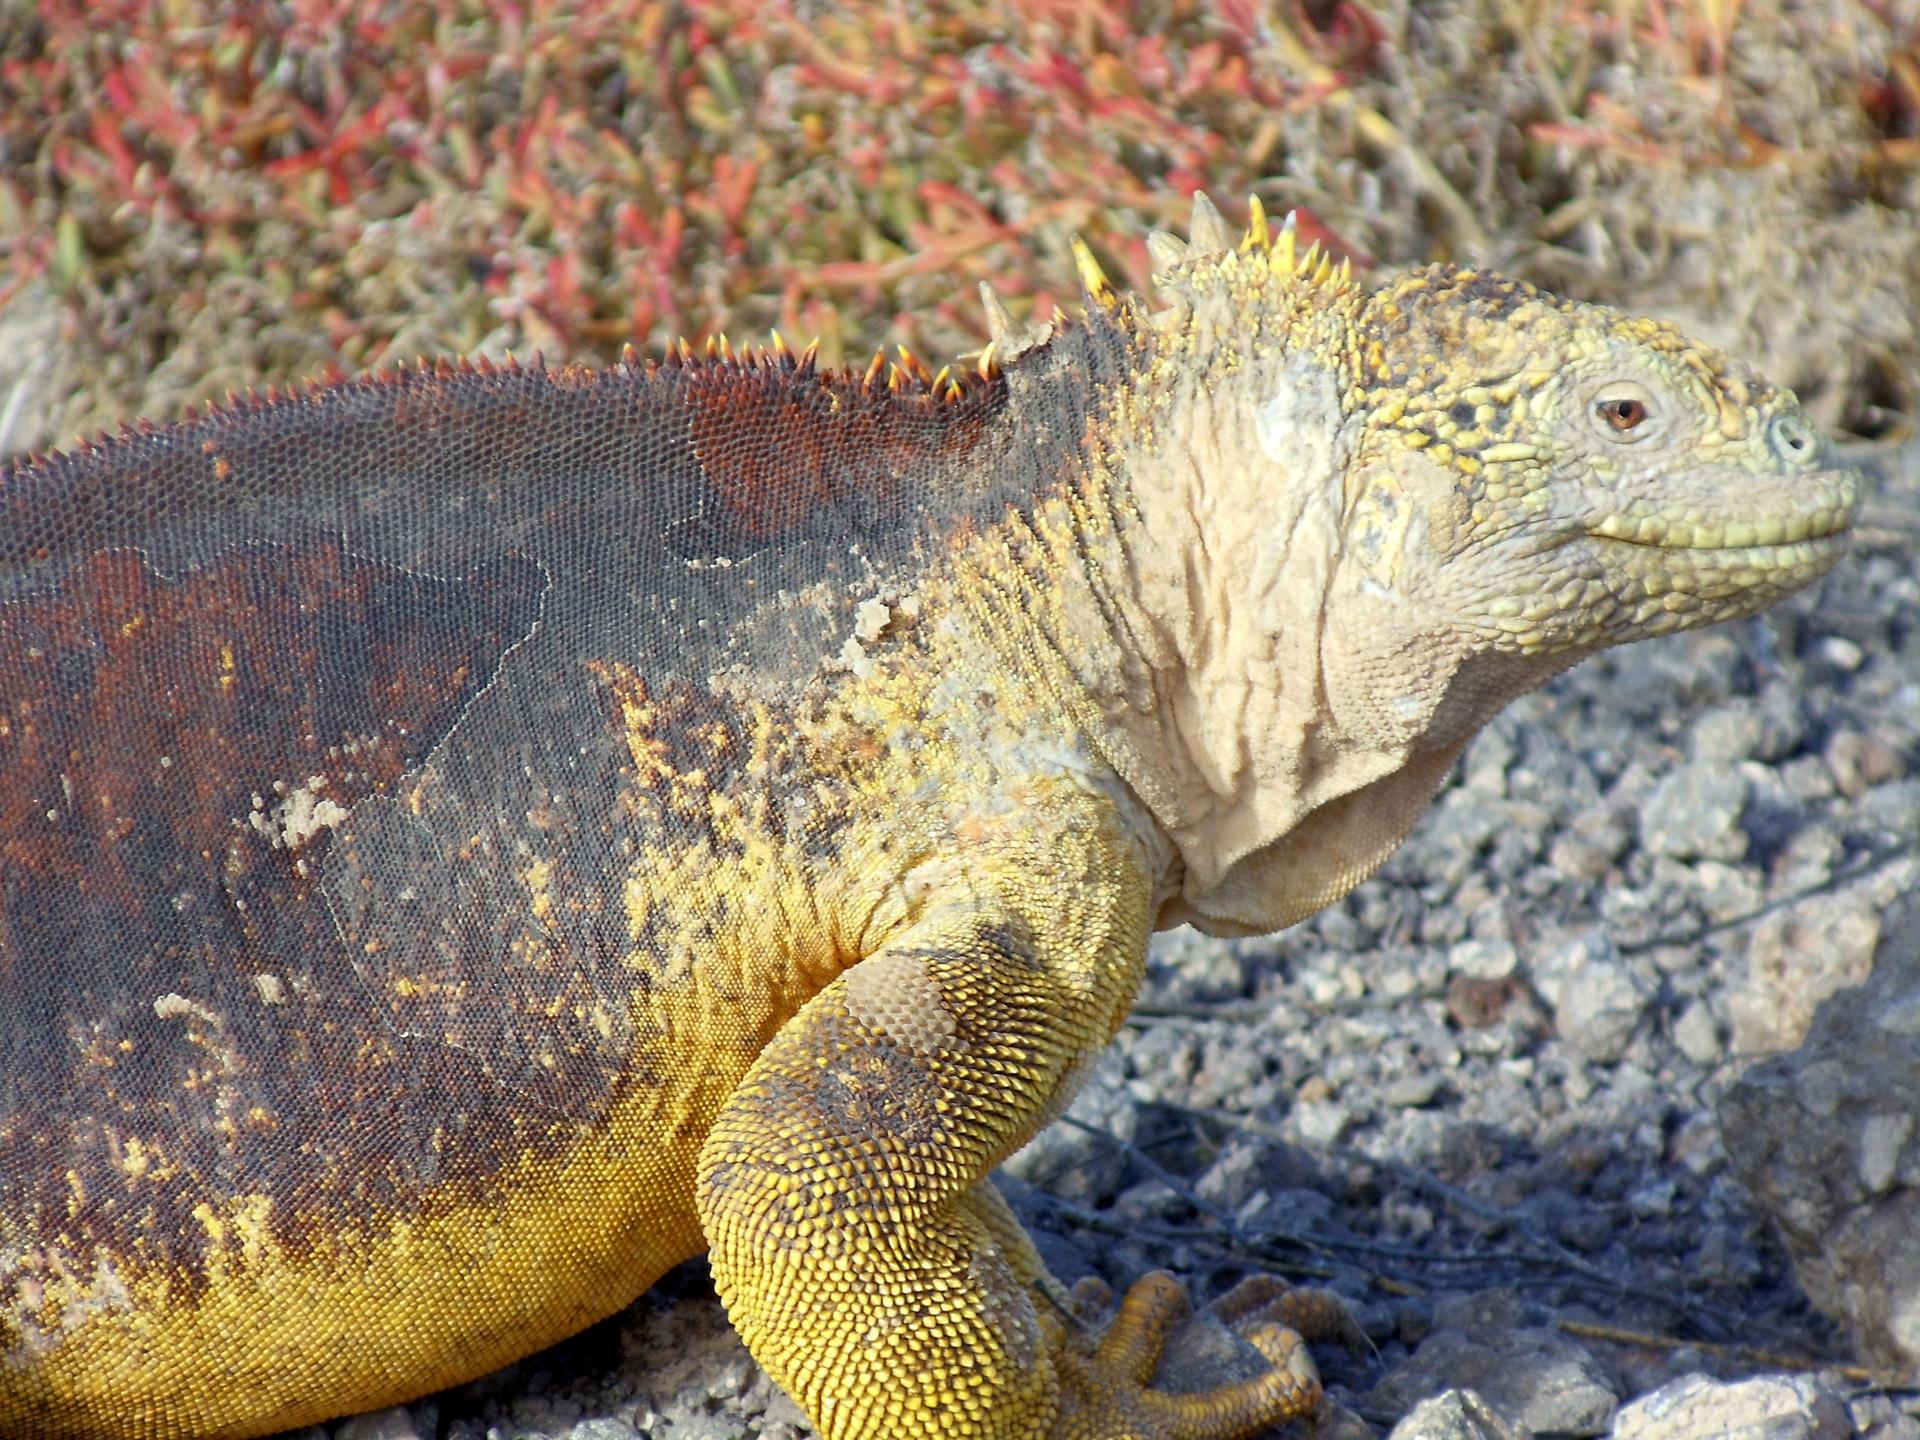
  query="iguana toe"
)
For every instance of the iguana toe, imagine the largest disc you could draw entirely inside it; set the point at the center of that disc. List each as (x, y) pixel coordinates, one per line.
(1317, 1315)
(1105, 1396)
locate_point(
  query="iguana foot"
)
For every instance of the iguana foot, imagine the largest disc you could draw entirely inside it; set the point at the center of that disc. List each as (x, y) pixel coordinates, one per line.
(1105, 1395)
(1317, 1315)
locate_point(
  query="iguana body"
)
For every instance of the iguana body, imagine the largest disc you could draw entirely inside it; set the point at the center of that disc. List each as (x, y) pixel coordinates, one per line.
(472, 840)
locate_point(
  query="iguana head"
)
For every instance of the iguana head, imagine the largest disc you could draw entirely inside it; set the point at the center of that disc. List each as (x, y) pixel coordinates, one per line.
(1364, 522)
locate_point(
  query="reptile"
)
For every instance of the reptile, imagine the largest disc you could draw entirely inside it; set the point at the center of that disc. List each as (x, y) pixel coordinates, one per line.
(475, 837)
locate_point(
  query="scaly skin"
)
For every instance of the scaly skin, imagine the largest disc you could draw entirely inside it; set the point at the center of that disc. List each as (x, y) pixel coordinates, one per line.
(469, 842)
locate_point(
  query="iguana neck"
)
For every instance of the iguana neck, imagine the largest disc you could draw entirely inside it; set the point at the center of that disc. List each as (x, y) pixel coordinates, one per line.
(1283, 731)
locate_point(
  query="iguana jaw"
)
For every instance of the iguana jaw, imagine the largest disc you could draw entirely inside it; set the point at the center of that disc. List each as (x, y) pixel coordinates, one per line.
(1666, 565)
(1759, 536)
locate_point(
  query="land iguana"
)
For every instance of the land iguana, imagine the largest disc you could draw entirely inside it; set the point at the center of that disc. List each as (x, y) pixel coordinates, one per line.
(472, 839)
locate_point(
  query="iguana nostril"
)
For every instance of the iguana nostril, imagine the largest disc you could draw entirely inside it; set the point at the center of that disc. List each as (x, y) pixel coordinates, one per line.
(1793, 439)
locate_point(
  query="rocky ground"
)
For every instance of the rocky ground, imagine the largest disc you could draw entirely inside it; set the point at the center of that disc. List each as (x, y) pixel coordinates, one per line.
(1479, 1098)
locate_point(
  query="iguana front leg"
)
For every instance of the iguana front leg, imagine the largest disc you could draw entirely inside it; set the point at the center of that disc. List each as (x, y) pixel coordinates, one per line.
(863, 1263)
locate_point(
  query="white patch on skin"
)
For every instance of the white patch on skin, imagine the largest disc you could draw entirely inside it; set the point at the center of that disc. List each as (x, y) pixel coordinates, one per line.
(298, 818)
(1299, 427)
(50, 1274)
(170, 1006)
(871, 619)
(920, 883)
(852, 657)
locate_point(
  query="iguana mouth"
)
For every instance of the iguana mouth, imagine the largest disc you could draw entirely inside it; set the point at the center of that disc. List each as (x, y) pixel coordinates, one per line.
(1762, 533)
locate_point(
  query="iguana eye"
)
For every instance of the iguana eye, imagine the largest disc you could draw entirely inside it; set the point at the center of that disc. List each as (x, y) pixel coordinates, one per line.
(1623, 414)
(1622, 411)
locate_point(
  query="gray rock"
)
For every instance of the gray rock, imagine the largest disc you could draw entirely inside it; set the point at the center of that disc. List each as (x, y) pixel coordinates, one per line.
(1247, 1164)
(1203, 1353)
(603, 1428)
(1893, 808)
(1727, 734)
(1182, 968)
(1875, 1417)
(1537, 1380)
(1796, 958)
(1694, 813)
(1767, 1407)
(1454, 1415)
(394, 1424)
(1825, 1141)
(1597, 1000)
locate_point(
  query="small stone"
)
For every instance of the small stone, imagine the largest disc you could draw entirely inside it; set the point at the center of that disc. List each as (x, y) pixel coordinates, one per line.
(1726, 734)
(1333, 1421)
(1319, 1122)
(1474, 1003)
(1697, 1034)
(1652, 1200)
(1860, 761)
(1893, 808)
(1768, 1407)
(1454, 1415)
(1483, 959)
(1185, 967)
(1694, 814)
(1795, 959)
(1882, 1139)
(687, 1426)
(1807, 778)
(603, 1428)
(1203, 1353)
(392, 1424)
(783, 1409)
(1412, 1091)
(1247, 1166)
(1597, 1000)
(1875, 1417)
(1842, 653)
(1537, 1380)
(1696, 1144)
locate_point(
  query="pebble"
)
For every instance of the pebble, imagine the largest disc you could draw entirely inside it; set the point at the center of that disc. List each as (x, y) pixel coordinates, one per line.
(393, 1424)
(1455, 1415)
(1537, 1380)
(1597, 1000)
(1694, 813)
(1767, 1407)
(1796, 959)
